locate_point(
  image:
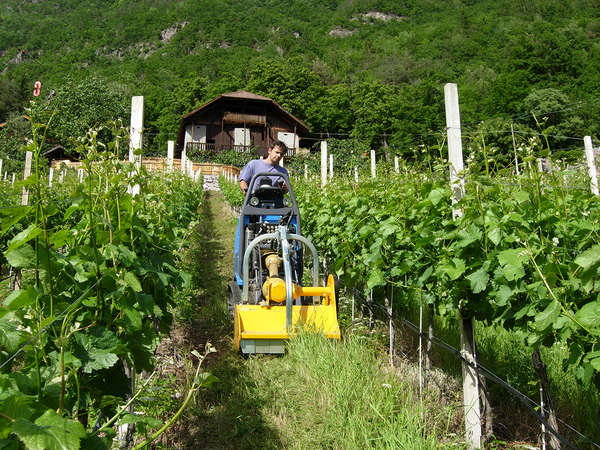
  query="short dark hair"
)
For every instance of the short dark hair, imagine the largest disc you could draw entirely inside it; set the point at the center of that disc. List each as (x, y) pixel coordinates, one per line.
(279, 144)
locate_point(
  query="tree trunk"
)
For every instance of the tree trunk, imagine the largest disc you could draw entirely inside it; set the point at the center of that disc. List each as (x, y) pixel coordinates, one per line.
(388, 307)
(488, 412)
(540, 369)
(430, 333)
(17, 280)
(370, 306)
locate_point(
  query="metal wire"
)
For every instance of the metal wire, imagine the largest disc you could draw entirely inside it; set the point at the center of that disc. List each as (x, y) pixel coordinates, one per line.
(527, 402)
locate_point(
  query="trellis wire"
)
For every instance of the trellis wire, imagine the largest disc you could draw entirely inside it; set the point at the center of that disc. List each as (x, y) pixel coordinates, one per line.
(523, 398)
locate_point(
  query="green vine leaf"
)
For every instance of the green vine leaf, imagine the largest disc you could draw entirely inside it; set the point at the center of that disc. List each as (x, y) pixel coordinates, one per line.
(50, 431)
(589, 258)
(589, 315)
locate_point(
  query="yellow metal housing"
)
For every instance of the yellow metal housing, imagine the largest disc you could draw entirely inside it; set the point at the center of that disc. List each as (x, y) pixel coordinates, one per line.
(268, 322)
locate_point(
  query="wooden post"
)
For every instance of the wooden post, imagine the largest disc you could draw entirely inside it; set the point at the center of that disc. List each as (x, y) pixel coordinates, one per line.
(396, 164)
(1, 168)
(50, 176)
(305, 171)
(467, 340)
(355, 174)
(13, 179)
(331, 167)
(373, 167)
(591, 163)
(26, 174)
(323, 163)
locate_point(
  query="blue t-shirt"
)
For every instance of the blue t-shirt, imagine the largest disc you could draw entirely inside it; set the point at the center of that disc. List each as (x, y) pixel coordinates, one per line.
(258, 166)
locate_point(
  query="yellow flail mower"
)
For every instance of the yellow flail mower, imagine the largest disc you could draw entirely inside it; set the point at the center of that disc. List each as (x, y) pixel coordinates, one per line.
(267, 299)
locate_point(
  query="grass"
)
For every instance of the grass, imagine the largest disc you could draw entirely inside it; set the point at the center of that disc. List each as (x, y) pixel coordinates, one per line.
(505, 354)
(345, 397)
(321, 394)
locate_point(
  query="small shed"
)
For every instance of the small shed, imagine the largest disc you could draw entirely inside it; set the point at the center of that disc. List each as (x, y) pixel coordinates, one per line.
(241, 121)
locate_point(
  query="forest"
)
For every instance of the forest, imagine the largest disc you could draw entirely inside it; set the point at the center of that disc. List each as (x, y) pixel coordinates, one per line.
(370, 70)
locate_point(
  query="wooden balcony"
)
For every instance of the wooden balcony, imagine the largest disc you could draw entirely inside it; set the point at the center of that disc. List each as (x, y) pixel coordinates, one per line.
(201, 147)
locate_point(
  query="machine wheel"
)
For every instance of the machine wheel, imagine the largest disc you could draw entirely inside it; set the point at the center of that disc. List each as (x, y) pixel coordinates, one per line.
(234, 297)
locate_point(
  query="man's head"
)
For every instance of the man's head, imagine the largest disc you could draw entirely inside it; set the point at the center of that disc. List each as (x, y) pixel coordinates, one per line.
(276, 151)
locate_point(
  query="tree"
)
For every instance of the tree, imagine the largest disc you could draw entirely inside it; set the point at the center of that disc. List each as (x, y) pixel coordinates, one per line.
(10, 98)
(551, 112)
(76, 107)
(13, 137)
(287, 81)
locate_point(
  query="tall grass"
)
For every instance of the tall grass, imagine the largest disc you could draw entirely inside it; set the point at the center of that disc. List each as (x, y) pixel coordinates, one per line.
(327, 394)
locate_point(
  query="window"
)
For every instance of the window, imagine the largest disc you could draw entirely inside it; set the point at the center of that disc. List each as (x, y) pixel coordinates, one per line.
(241, 136)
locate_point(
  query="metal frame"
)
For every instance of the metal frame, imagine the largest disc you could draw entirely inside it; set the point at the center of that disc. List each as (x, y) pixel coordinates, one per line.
(282, 236)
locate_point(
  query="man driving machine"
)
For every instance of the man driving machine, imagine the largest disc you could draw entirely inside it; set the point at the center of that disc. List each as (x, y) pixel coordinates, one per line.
(270, 164)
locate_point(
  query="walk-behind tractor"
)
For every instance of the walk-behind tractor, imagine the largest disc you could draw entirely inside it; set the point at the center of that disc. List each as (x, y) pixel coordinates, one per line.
(267, 299)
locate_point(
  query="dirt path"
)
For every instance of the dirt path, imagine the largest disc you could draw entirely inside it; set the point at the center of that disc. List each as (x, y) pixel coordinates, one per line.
(227, 415)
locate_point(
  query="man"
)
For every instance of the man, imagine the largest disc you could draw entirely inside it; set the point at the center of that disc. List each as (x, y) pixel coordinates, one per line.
(269, 164)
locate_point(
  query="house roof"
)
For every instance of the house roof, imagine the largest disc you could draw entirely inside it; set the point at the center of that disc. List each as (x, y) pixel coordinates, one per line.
(248, 96)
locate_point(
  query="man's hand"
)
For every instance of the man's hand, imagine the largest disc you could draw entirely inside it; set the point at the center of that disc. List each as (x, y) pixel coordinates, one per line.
(243, 186)
(282, 185)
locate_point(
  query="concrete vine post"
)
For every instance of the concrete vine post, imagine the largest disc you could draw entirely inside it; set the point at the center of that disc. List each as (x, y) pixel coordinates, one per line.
(373, 166)
(512, 130)
(170, 155)
(467, 338)
(591, 163)
(183, 161)
(323, 163)
(24, 202)
(135, 136)
(26, 174)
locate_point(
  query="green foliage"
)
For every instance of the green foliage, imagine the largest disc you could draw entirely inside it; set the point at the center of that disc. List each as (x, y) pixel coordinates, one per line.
(9, 98)
(76, 107)
(381, 83)
(104, 272)
(519, 256)
(524, 255)
(231, 192)
(13, 138)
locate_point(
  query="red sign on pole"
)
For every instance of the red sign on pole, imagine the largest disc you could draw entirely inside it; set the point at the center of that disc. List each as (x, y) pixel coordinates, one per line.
(37, 88)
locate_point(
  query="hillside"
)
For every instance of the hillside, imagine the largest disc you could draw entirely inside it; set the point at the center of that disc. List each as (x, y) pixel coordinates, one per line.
(370, 69)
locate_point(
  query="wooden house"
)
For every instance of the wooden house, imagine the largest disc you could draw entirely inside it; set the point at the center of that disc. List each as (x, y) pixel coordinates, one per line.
(239, 120)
